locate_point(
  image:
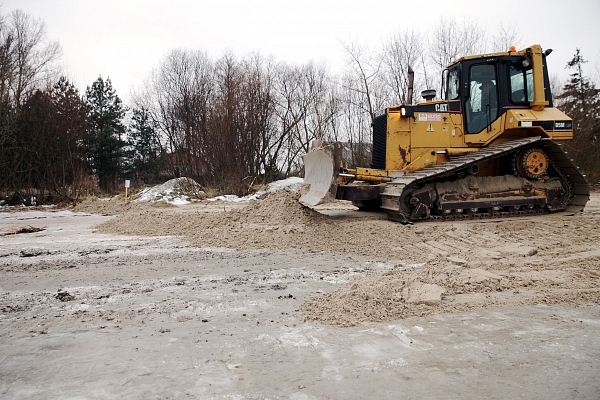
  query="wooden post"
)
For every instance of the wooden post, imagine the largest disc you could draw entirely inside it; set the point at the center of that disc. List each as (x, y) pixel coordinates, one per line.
(127, 183)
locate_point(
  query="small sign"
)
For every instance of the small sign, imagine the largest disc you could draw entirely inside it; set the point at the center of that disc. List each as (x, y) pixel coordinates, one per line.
(430, 117)
(127, 183)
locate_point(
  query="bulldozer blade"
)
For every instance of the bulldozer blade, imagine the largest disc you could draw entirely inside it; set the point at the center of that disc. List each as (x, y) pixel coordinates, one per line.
(321, 171)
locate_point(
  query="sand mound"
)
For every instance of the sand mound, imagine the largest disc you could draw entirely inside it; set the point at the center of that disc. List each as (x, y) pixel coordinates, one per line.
(280, 207)
(425, 291)
(455, 266)
(115, 206)
(274, 221)
(102, 206)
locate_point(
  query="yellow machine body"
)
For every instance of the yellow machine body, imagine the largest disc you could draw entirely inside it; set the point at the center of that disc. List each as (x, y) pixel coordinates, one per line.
(491, 145)
(433, 138)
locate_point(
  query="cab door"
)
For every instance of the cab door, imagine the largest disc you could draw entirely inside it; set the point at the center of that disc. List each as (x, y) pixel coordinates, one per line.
(481, 105)
(453, 96)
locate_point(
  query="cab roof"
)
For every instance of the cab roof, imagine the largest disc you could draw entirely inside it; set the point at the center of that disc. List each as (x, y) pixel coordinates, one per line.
(490, 55)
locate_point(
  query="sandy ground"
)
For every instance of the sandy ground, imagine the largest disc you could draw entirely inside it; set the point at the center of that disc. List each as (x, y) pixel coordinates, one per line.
(272, 300)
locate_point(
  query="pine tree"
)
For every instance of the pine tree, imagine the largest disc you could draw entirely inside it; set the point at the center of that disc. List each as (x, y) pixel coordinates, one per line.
(48, 157)
(106, 145)
(33, 150)
(580, 100)
(71, 130)
(144, 158)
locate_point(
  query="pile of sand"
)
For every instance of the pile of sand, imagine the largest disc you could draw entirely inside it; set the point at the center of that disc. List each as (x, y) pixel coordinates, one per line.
(455, 266)
(426, 290)
(113, 206)
(275, 221)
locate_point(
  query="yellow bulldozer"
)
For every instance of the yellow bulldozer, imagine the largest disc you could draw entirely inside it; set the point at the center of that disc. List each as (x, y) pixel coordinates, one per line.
(491, 148)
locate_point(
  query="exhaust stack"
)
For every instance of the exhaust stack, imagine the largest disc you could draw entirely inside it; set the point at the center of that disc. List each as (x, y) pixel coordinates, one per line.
(411, 81)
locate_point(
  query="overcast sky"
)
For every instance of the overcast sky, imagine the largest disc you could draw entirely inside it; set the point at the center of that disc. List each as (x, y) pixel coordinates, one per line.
(126, 39)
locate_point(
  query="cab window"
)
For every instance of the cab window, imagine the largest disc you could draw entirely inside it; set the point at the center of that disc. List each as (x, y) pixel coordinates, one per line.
(521, 85)
(453, 84)
(482, 104)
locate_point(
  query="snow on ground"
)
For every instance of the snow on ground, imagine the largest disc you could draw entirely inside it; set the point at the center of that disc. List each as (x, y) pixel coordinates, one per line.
(291, 184)
(179, 191)
(175, 191)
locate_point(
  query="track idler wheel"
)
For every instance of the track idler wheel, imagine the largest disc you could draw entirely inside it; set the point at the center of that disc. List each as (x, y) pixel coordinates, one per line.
(407, 202)
(416, 203)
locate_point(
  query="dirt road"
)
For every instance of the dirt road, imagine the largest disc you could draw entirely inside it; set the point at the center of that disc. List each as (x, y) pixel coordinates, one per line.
(271, 300)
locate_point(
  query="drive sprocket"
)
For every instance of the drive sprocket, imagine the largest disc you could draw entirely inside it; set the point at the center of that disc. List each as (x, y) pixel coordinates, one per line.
(532, 163)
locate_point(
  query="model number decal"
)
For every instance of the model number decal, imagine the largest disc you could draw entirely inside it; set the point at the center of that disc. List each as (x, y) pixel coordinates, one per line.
(567, 125)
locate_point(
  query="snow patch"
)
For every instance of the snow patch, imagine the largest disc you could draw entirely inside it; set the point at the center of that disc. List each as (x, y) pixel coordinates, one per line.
(291, 184)
(175, 191)
(181, 190)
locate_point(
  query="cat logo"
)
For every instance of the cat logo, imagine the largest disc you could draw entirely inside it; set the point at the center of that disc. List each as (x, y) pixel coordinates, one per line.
(441, 107)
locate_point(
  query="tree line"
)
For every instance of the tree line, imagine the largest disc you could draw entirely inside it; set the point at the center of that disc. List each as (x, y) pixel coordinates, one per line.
(229, 123)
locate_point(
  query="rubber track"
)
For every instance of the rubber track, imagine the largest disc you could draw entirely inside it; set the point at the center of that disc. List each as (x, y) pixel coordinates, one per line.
(393, 190)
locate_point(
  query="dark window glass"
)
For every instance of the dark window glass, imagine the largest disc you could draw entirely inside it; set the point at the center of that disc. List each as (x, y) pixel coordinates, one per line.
(482, 105)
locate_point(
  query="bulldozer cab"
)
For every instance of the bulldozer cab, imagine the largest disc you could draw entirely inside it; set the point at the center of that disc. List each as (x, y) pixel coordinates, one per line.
(488, 85)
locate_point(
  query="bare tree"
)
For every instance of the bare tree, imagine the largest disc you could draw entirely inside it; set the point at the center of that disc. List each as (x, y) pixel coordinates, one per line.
(506, 37)
(261, 102)
(6, 60)
(178, 96)
(354, 125)
(26, 60)
(363, 71)
(451, 40)
(217, 118)
(402, 50)
(305, 110)
(369, 84)
(31, 55)
(242, 120)
(288, 113)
